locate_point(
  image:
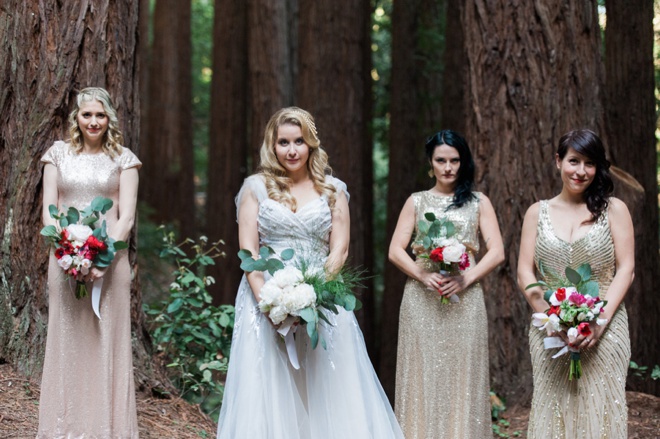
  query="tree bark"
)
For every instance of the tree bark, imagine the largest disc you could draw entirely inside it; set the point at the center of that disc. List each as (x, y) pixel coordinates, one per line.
(455, 70)
(50, 51)
(168, 185)
(417, 78)
(228, 147)
(534, 73)
(630, 114)
(334, 85)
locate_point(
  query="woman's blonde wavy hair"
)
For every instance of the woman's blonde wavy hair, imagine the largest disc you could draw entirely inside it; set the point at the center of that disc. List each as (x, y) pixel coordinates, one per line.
(277, 182)
(112, 139)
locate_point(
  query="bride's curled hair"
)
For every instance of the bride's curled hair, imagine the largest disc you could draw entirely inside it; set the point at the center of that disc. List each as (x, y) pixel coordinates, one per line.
(277, 182)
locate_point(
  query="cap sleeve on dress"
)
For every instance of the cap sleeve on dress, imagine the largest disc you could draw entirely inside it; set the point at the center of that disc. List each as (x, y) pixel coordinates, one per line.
(253, 186)
(55, 153)
(339, 185)
(128, 159)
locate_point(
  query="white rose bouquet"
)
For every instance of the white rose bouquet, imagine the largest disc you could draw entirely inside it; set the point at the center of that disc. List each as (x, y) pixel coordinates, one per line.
(300, 295)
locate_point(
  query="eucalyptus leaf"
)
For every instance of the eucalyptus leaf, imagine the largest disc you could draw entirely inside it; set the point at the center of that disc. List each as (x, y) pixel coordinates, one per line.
(247, 265)
(449, 226)
(72, 215)
(265, 252)
(50, 231)
(423, 227)
(430, 216)
(309, 315)
(120, 245)
(244, 254)
(584, 271)
(349, 302)
(54, 213)
(287, 254)
(89, 221)
(426, 242)
(64, 222)
(358, 304)
(589, 288)
(272, 265)
(174, 306)
(573, 276)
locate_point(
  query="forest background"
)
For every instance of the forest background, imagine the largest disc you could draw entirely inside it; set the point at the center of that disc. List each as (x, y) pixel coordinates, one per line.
(196, 81)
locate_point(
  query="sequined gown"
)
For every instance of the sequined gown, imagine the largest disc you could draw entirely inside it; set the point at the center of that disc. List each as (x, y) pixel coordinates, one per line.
(335, 394)
(595, 405)
(87, 388)
(442, 378)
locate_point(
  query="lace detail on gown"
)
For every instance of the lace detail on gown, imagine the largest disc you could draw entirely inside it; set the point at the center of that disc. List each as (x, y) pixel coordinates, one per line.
(336, 393)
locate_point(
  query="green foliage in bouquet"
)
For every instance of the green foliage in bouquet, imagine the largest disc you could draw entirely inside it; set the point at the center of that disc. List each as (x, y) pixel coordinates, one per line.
(331, 293)
(192, 335)
(432, 228)
(88, 217)
(580, 278)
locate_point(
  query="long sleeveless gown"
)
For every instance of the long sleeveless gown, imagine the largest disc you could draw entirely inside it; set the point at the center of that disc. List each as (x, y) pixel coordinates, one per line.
(335, 394)
(442, 378)
(595, 405)
(87, 388)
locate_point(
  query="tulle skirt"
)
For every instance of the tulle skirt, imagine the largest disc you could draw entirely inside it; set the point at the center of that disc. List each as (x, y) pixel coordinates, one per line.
(334, 395)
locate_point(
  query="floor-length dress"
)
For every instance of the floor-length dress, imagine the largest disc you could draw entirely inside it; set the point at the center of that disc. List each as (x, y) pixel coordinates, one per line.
(593, 406)
(87, 388)
(335, 394)
(442, 378)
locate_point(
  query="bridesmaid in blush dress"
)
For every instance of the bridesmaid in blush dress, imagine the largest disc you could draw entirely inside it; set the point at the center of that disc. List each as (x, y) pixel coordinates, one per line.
(583, 224)
(87, 388)
(442, 379)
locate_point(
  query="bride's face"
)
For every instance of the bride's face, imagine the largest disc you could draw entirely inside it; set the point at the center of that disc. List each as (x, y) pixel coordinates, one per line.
(291, 150)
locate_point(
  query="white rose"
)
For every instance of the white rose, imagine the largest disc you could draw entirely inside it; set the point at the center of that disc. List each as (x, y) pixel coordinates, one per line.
(78, 232)
(288, 276)
(299, 298)
(278, 314)
(453, 252)
(270, 296)
(65, 262)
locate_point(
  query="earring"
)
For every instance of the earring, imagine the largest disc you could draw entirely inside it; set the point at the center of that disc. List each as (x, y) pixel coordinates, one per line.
(431, 173)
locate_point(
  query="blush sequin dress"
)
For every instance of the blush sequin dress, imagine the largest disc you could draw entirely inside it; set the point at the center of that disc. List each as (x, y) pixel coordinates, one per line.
(442, 377)
(595, 405)
(87, 388)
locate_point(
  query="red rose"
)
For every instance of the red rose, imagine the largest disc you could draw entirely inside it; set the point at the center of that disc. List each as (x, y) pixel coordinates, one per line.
(560, 294)
(436, 255)
(94, 244)
(554, 310)
(584, 329)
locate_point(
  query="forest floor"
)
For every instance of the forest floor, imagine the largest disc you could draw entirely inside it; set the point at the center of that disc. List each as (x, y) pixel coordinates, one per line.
(177, 419)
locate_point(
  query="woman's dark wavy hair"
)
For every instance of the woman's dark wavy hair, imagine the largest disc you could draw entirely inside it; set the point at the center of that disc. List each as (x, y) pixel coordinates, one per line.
(465, 179)
(587, 143)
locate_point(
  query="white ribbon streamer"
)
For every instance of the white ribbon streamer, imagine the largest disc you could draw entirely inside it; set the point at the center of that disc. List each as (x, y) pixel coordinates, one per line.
(96, 296)
(287, 330)
(557, 342)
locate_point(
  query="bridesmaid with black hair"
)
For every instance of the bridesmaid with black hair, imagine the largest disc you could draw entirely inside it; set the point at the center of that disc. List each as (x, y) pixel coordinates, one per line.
(442, 378)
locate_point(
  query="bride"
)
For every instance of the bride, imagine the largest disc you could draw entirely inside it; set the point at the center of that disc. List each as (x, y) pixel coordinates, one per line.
(292, 202)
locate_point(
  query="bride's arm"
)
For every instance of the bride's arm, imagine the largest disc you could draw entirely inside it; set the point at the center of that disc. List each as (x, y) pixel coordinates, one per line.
(340, 235)
(248, 237)
(526, 274)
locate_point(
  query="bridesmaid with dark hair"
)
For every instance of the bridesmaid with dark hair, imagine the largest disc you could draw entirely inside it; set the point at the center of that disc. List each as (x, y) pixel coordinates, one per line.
(582, 224)
(442, 379)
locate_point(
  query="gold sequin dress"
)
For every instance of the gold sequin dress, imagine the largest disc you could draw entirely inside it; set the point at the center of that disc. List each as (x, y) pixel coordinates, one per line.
(87, 388)
(595, 405)
(442, 378)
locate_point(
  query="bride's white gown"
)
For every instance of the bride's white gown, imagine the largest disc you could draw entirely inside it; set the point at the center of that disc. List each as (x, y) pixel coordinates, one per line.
(335, 394)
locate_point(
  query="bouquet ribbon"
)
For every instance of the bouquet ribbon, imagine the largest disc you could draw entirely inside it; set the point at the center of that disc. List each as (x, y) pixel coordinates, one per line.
(96, 296)
(287, 330)
(557, 342)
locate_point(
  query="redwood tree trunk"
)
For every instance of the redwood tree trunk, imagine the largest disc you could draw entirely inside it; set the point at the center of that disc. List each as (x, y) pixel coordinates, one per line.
(50, 51)
(334, 85)
(168, 185)
(417, 54)
(534, 73)
(630, 113)
(228, 146)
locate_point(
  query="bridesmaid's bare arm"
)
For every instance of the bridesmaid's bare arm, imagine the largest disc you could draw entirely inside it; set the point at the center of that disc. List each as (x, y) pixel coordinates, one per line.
(340, 235)
(405, 227)
(50, 195)
(128, 188)
(526, 274)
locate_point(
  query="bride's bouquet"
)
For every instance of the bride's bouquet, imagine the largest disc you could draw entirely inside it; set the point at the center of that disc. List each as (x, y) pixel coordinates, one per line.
(435, 242)
(300, 295)
(572, 307)
(80, 243)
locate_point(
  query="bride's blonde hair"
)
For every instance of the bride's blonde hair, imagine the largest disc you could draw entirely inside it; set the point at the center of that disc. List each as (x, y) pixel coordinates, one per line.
(277, 182)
